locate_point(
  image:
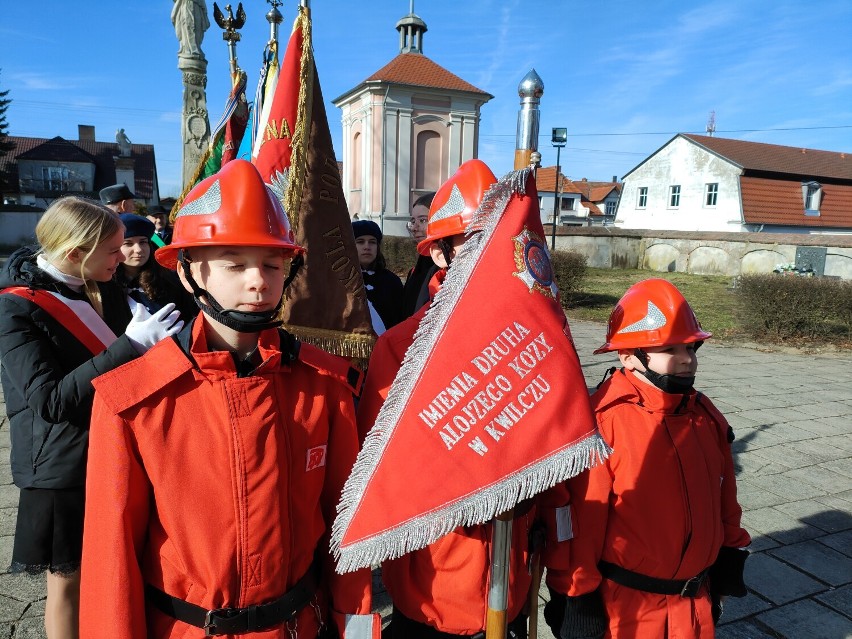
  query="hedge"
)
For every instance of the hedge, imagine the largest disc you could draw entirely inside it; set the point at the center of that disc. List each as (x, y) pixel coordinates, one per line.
(786, 307)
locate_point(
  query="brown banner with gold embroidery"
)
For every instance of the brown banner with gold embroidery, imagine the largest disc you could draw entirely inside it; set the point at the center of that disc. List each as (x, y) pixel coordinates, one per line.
(326, 303)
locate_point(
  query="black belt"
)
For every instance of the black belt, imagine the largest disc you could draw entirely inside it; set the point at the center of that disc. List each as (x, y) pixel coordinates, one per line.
(623, 577)
(236, 621)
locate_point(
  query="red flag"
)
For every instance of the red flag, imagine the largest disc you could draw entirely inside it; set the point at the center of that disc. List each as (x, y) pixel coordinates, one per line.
(489, 407)
(326, 303)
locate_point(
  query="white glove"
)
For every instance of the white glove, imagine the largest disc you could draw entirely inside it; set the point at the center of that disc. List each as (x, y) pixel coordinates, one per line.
(145, 329)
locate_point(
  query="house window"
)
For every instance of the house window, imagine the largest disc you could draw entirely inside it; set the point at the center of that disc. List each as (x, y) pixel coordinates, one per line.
(642, 202)
(812, 195)
(711, 194)
(611, 206)
(54, 178)
(674, 196)
(566, 204)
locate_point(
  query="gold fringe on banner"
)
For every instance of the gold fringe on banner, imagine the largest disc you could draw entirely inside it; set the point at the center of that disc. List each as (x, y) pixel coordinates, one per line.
(352, 345)
(301, 134)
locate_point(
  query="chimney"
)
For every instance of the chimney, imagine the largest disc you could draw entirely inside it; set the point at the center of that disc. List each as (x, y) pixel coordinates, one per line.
(86, 132)
(615, 178)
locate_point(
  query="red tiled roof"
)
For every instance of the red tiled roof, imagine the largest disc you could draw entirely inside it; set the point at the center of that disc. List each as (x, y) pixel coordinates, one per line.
(757, 156)
(415, 69)
(545, 179)
(599, 193)
(772, 201)
(101, 154)
(576, 186)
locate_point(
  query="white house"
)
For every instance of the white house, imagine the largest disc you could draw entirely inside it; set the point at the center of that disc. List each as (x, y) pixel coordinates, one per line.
(702, 183)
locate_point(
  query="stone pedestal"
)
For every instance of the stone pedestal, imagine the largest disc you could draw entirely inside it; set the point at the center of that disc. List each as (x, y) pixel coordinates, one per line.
(195, 123)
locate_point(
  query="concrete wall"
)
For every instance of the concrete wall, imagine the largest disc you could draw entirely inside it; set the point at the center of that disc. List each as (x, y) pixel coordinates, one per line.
(702, 253)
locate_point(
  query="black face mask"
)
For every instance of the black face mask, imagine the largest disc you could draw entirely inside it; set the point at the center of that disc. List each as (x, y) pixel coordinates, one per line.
(674, 384)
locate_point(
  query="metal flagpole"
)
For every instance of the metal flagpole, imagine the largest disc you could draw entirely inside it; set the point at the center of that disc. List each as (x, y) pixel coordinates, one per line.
(530, 90)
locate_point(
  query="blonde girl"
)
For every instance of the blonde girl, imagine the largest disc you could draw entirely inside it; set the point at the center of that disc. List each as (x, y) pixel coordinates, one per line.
(56, 336)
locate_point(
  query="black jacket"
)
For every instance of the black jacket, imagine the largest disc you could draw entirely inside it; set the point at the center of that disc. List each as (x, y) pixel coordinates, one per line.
(384, 290)
(416, 291)
(47, 378)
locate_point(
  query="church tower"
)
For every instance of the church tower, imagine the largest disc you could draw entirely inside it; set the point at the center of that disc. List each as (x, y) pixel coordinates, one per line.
(406, 129)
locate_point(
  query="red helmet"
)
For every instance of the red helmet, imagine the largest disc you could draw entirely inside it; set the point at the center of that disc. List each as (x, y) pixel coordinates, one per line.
(456, 201)
(651, 313)
(230, 208)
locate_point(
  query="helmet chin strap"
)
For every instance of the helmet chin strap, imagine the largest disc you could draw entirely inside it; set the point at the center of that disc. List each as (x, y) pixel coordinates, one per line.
(240, 321)
(446, 250)
(675, 384)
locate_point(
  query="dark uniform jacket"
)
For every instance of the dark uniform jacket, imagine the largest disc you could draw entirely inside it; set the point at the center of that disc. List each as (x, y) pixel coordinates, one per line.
(384, 290)
(47, 377)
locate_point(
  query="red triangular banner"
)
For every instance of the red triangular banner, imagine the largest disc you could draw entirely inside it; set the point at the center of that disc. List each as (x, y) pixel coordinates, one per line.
(489, 407)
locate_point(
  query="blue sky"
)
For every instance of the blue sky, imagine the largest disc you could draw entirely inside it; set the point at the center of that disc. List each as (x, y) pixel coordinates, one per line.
(623, 77)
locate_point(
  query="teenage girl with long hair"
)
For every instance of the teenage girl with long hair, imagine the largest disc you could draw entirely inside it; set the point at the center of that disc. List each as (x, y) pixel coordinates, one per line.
(145, 281)
(57, 333)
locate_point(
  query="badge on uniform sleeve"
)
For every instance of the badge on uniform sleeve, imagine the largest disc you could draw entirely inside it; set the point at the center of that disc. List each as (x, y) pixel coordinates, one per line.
(316, 457)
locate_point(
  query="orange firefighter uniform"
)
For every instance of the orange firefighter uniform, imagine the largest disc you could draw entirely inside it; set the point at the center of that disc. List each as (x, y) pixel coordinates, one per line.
(663, 505)
(217, 489)
(445, 584)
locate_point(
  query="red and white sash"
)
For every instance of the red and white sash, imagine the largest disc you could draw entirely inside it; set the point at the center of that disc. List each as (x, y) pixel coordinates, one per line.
(77, 316)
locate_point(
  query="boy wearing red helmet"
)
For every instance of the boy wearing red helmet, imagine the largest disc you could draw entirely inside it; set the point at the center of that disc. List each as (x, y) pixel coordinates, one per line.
(218, 458)
(657, 536)
(440, 591)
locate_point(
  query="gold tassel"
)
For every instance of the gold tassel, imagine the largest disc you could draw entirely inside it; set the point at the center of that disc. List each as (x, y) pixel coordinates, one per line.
(349, 345)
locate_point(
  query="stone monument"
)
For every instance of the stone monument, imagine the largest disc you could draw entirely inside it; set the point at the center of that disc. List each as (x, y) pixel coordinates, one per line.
(190, 20)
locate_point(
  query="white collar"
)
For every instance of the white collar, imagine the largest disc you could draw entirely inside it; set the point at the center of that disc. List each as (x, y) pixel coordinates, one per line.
(71, 281)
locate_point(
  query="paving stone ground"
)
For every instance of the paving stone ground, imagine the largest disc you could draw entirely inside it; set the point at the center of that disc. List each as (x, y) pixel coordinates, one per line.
(792, 414)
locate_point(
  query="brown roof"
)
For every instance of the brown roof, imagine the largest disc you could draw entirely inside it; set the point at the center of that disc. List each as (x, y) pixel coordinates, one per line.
(545, 178)
(101, 154)
(415, 69)
(756, 156)
(773, 201)
(600, 193)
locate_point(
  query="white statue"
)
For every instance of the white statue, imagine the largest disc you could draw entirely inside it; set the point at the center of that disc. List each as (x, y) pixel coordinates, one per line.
(123, 143)
(190, 20)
